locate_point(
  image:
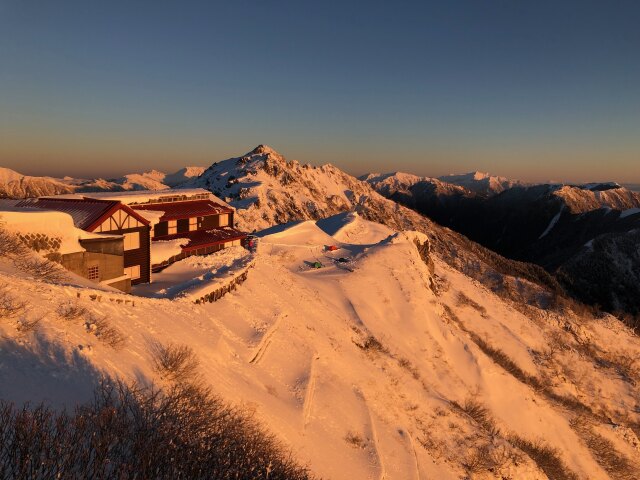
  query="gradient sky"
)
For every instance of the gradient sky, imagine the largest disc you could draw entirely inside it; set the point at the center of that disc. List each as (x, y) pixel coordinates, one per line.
(534, 90)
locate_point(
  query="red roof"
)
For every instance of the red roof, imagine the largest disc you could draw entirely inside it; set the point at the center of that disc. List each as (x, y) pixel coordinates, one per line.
(87, 213)
(205, 238)
(186, 209)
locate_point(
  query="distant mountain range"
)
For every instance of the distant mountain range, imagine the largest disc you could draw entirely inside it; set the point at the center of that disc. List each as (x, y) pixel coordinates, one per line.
(17, 185)
(575, 232)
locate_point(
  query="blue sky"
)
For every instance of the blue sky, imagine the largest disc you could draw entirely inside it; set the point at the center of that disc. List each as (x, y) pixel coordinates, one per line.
(534, 90)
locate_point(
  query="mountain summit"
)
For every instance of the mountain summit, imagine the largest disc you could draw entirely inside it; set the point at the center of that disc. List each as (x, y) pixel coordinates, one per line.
(269, 189)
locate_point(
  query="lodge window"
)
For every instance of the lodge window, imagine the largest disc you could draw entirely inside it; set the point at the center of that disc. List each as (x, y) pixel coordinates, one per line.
(183, 225)
(133, 272)
(224, 220)
(93, 272)
(132, 241)
(173, 227)
(193, 224)
(160, 229)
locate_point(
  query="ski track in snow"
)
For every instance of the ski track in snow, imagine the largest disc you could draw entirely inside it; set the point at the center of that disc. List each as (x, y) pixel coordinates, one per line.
(265, 342)
(374, 435)
(415, 455)
(309, 393)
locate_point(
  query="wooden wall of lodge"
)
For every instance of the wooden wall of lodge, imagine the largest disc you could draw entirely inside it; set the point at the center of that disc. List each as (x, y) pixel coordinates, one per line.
(140, 256)
(208, 222)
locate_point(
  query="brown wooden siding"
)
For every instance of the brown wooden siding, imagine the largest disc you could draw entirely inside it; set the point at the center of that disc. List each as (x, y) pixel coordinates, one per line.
(140, 256)
(161, 229)
(210, 221)
(183, 225)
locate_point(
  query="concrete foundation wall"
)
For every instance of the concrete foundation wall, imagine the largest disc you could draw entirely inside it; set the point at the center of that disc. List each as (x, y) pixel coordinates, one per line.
(109, 266)
(124, 285)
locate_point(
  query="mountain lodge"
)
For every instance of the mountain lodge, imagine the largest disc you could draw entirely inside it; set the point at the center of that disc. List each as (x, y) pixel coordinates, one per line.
(138, 232)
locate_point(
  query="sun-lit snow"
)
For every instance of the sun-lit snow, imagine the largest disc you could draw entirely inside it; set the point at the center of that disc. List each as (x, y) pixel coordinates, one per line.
(54, 225)
(194, 276)
(481, 182)
(162, 250)
(290, 345)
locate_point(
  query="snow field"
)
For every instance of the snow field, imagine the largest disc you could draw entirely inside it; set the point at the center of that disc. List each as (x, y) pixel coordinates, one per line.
(355, 371)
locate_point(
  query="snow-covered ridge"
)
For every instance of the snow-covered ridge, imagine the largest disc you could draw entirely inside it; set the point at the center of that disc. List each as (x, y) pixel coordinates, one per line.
(585, 198)
(391, 184)
(268, 189)
(359, 371)
(480, 182)
(16, 185)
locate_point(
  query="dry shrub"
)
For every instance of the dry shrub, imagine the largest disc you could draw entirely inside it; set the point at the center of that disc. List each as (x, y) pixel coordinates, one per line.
(10, 306)
(175, 363)
(479, 414)
(26, 325)
(502, 359)
(109, 334)
(490, 457)
(604, 451)
(372, 344)
(105, 332)
(11, 245)
(547, 458)
(565, 305)
(463, 300)
(497, 355)
(355, 440)
(41, 269)
(131, 432)
(627, 366)
(409, 367)
(71, 310)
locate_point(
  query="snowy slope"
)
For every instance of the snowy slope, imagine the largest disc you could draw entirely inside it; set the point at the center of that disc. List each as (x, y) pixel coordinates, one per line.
(359, 372)
(183, 175)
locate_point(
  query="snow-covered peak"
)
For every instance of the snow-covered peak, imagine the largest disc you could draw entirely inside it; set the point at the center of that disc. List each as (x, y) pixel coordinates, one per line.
(481, 182)
(585, 198)
(16, 185)
(263, 150)
(7, 175)
(151, 180)
(390, 184)
(269, 189)
(397, 178)
(479, 175)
